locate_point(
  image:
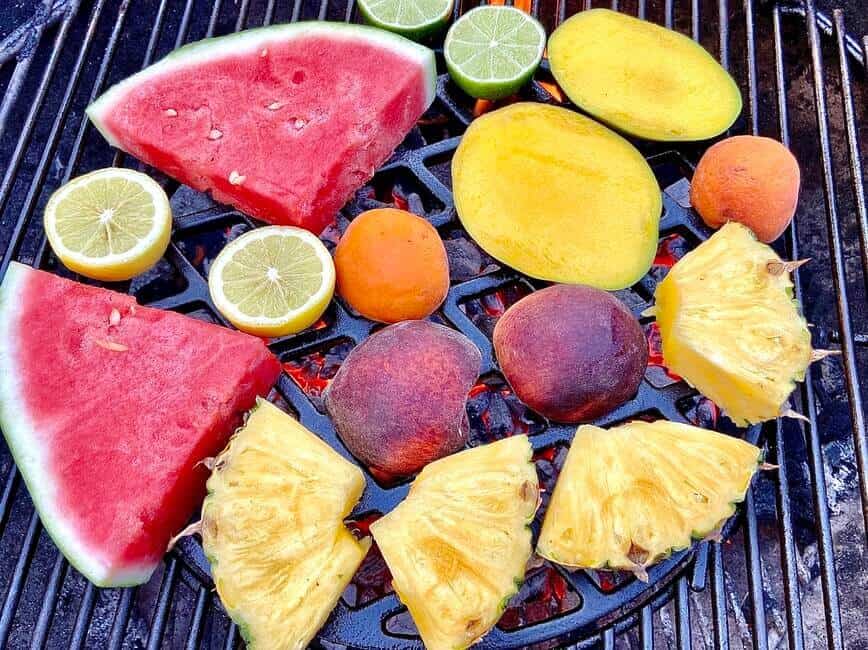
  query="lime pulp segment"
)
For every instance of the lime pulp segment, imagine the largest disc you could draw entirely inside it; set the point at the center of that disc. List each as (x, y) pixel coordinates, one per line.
(409, 17)
(107, 216)
(272, 276)
(494, 50)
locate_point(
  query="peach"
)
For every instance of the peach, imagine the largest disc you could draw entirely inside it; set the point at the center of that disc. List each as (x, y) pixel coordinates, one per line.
(570, 352)
(391, 266)
(748, 179)
(398, 399)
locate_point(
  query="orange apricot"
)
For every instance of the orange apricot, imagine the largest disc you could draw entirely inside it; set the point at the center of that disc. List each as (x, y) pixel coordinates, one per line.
(391, 266)
(749, 179)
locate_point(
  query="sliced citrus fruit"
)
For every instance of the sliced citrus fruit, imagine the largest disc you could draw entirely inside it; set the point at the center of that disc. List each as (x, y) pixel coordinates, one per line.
(111, 224)
(493, 50)
(414, 19)
(273, 281)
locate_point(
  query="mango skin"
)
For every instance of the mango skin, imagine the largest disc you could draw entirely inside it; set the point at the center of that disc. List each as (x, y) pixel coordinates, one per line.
(571, 353)
(398, 400)
(641, 78)
(557, 196)
(749, 179)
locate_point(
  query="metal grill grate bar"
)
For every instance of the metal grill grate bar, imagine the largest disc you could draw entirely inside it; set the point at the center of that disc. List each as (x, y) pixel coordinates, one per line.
(82, 621)
(30, 120)
(681, 589)
(122, 616)
(828, 578)
(195, 633)
(851, 372)
(52, 141)
(158, 624)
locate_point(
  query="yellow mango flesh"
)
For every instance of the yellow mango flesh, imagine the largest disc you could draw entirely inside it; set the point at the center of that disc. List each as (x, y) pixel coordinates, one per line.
(557, 196)
(642, 78)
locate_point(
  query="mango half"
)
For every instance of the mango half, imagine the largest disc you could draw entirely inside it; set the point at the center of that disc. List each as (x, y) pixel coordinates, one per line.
(641, 78)
(557, 196)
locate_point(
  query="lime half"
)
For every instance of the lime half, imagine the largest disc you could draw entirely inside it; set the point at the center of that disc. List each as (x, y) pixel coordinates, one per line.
(493, 50)
(414, 19)
(111, 224)
(273, 281)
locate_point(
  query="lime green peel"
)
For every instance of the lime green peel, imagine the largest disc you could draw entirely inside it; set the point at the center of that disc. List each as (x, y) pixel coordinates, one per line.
(493, 50)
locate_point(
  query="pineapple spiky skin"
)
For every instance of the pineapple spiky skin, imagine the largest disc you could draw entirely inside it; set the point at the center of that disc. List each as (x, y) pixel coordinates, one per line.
(457, 546)
(730, 327)
(627, 497)
(272, 529)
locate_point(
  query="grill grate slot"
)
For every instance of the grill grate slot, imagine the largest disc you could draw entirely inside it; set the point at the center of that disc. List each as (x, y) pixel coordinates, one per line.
(770, 48)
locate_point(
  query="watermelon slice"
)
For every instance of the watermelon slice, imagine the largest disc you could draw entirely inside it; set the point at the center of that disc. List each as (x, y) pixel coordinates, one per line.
(283, 122)
(108, 407)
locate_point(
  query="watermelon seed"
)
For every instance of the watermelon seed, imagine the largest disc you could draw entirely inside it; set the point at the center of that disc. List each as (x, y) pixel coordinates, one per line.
(215, 134)
(171, 112)
(236, 179)
(111, 345)
(263, 53)
(273, 106)
(299, 123)
(114, 318)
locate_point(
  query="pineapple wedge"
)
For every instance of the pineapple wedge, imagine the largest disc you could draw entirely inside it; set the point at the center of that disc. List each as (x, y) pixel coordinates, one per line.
(628, 496)
(730, 327)
(458, 545)
(272, 528)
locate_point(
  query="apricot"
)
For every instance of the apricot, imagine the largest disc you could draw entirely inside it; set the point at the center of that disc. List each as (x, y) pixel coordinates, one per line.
(748, 179)
(641, 78)
(391, 266)
(557, 196)
(571, 353)
(398, 399)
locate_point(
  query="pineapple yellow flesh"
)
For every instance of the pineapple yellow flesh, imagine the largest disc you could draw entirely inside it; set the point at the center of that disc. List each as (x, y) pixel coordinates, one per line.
(272, 528)
(457, 546)
(628, 496)
(730, 327)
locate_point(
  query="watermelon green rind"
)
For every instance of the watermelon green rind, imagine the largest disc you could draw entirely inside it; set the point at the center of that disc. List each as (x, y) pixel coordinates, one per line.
(20, 432)
(252, 40)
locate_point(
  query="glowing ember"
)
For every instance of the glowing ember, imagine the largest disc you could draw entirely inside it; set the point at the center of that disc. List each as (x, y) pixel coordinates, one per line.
(495, 412)
(389, 196)
(485, 310)
(658, 374)
(671, 249)
(313, 372)
(373, 579)
(609, 581)
(543, 595)
(524, 5)
(483, 106)
(701, 411)
(554, 90)
(202, 246)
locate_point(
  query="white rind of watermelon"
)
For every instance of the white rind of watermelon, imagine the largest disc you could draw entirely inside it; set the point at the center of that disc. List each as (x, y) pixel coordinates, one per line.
(22, 436)
(251, 41)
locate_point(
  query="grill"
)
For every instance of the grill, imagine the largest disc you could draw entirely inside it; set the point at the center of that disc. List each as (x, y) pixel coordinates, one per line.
(793, 571)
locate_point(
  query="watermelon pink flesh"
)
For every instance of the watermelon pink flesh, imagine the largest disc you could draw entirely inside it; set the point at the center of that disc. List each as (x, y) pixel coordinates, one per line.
(108, 440)
(284, 123)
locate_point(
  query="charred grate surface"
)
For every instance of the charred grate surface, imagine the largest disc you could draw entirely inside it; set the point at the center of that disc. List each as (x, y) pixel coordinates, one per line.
(793, 573)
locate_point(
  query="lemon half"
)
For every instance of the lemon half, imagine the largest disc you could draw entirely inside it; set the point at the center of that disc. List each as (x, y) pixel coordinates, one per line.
(273, 281)
(111, 224)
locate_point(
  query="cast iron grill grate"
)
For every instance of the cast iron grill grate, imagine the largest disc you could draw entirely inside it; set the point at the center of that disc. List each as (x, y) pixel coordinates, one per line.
(791, 573)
